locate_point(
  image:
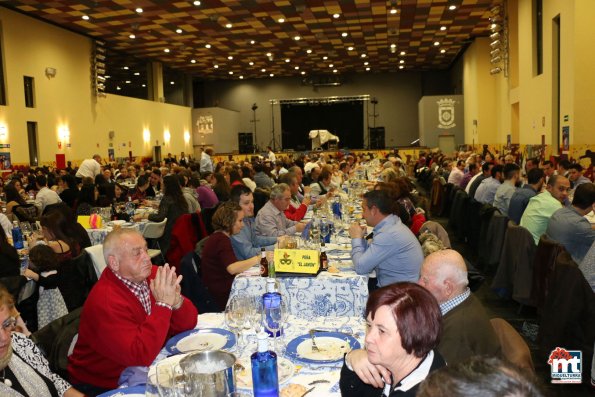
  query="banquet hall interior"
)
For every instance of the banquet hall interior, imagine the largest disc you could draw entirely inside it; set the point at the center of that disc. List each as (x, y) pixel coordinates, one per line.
(138, 80)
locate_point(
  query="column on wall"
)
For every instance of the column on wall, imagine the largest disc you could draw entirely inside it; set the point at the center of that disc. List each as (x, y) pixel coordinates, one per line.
(155, 80)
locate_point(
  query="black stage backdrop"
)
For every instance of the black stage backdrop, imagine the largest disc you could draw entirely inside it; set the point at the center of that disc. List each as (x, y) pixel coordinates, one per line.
(344, 119)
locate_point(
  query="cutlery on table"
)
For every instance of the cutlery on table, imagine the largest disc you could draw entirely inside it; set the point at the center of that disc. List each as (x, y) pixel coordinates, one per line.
(314, 347)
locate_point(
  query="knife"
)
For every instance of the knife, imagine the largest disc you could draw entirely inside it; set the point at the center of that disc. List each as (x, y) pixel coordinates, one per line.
(331, 330)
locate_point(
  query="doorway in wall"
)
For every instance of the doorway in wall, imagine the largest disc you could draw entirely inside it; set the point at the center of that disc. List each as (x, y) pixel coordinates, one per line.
(446, 143)
(33, 146)
(556, 85)
(157, 154)
(515, 123)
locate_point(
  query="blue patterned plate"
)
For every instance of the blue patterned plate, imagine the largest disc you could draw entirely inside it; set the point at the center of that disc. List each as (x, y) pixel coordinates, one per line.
(136, 391)
(201, 340)
(332, 346)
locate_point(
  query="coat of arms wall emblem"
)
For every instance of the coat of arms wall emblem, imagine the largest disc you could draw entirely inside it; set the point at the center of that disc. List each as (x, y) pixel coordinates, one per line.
(446, 113)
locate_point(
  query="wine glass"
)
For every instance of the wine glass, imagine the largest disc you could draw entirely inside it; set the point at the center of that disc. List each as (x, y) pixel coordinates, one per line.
(235, 318)
(284, 324)
(255, 312)
(26, 229)
(272, 317)
(315, 232)
(325, 229)
(165, 380)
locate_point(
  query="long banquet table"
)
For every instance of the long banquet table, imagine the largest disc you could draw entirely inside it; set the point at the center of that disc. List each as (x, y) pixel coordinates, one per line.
(328, 294)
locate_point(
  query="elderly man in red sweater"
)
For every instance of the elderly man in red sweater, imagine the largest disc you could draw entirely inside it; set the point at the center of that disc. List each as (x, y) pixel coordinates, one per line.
(129, 314)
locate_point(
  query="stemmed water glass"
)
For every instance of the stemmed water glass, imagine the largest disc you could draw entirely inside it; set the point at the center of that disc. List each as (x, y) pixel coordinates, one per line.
(272, 318)
(284, 324)
(255, 312)
(235, 317)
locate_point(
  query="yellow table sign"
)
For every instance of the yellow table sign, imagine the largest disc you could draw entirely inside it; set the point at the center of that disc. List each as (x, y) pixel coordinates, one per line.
(296, 261)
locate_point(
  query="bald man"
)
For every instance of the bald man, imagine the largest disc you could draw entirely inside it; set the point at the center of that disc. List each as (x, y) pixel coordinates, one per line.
(467, 330)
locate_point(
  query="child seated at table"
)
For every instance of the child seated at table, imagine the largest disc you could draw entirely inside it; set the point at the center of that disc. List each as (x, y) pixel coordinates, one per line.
(50, 304)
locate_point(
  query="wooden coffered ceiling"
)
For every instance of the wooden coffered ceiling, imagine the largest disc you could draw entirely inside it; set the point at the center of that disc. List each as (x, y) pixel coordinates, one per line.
(226, 39)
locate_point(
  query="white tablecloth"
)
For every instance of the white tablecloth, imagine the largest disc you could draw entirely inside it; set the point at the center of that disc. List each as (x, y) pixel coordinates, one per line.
(98, 235)
(328, 294)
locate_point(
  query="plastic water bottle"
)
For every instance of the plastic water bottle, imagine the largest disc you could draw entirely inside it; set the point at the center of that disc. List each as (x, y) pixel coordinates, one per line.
(17, 236)
(265, 379)
(271, 300)
(337, 208)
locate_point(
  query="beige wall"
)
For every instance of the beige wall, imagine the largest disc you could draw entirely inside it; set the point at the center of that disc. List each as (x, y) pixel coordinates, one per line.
(29, 46)
(490, 99)
(226, 124)
(584, 64)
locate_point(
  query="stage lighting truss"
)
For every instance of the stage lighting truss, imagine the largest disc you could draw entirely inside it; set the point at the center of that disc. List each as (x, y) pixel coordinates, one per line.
(499, 39)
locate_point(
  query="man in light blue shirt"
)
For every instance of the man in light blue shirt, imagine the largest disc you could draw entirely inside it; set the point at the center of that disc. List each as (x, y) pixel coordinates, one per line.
(520, 198)
(394, 252)
(569, 227)
(487, 189)
(246, 244)
(507, 188)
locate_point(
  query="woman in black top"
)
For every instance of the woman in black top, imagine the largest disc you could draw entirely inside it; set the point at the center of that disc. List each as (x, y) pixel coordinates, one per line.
(70, 190)
(86, 199)
(172, 206)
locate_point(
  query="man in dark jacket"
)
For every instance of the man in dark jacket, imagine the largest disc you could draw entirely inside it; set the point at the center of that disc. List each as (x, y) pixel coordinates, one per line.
(467, 330)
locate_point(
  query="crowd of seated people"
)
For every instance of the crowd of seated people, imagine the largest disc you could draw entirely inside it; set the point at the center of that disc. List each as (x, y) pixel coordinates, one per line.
(253, 204)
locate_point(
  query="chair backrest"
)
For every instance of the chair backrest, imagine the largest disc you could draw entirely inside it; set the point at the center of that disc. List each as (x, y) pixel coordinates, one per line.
(207, 216)
(543, 266)
(436, 196)
(192, 286)
(55, 339)
(446, 199)
(154, 229)
(438, 230)
(78, 276)
(96, 254)
(199, 246)
(568, 312)
(471, 222)
(187, 231)
(492, 235)
(26, 212)
(515, 269)
(261, 196)
(514, 347)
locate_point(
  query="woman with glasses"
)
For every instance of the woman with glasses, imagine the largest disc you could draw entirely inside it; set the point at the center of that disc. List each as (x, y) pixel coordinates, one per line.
(24, 371)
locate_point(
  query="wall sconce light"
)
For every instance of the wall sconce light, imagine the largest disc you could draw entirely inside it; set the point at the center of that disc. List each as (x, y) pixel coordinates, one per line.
(64, 133)
(166, 136)
(146, 135)
(3, 132)
(186, 137)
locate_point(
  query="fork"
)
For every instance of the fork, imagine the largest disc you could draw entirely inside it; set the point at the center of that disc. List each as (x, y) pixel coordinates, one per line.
(314, 347)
